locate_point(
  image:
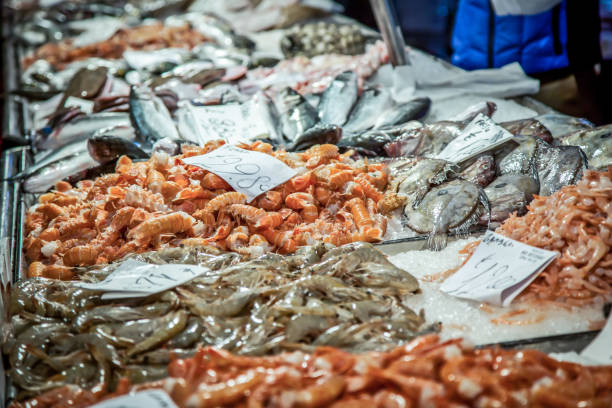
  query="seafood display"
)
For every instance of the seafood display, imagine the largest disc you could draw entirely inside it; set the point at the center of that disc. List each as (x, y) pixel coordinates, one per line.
(128, 268)
(319, 38)
(575, 221)
(426, 372)
(163, 202)
(348, 297)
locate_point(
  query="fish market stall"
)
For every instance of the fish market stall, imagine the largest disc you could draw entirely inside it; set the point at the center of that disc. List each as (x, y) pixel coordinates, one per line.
(245, 204)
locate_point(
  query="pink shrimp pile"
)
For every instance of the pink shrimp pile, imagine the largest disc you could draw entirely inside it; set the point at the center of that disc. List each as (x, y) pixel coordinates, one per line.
(576, 221)
(164, 203)
(424, 373)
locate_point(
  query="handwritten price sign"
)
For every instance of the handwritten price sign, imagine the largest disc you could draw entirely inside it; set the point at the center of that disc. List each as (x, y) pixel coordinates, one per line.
(149, 399)
(480, 135)
(250, 173)
(137, 279)
(230, 122)
(498, 271)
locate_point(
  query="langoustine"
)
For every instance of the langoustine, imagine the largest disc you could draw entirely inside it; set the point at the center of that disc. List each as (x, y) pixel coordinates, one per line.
(165, 203)
(426, 372)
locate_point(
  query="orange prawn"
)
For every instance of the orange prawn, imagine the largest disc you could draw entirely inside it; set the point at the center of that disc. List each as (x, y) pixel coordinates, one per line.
(360, 213)
(270, 200)
(164, 224)
(370, 190)
(304, 202)
(213, 182)
(80, 256)
(225, 200)
(283, 240)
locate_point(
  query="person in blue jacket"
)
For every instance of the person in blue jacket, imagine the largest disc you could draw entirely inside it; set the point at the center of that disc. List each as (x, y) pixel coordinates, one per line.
(552, 44)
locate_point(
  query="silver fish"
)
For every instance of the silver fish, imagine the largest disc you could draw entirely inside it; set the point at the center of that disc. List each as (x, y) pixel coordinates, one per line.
(405, 112)
(558, 166)
(507, 194)
(297, 115)
(107, 148)
(371, 104)
(318, 134)
(149, 115)
(596, 144)
(419, 176)
(528, 127)
(520, 159)
(83, 127)
(338, 99)
(43, 179)
(561, 125)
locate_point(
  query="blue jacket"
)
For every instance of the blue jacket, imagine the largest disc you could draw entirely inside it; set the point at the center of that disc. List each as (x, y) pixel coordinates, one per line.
(482, 39)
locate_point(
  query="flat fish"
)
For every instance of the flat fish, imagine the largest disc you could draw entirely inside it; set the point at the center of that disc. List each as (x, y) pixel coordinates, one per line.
(436, 136)
(370, 105)
(417, 177)
(558, 166)
(318, 134)
(297, 115)
(596, 144)
(82, 127)
(560, 125)
(450, 207)
(150, 117)
(520, 159)
(338, 99)
(405, 112)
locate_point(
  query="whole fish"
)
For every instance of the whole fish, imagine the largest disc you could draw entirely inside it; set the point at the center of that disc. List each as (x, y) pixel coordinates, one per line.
(149, 115)
(45, 178)
(414, 178)
(85, 84)
(371, 141)
(508, 194)
(519, 159)
(451, 207)
(480, 170)
(82, 127)
(70, 149)
(264, 108)
(405, 112)
(370, 105)
(318, 134)
(338, 99)
(558, 166)
(297, 115)
(560, 125)
(220, 31)
(596, 144)
(528, 127)
(108, 147)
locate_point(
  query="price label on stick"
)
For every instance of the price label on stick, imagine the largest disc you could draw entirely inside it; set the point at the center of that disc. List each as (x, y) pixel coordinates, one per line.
(138, 279)
(600, 349)
(498, 271)
(250, 173)
(149, 399)
(480, 135)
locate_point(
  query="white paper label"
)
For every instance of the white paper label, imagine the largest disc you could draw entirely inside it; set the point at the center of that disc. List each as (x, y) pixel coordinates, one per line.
(498, 271)
(148, 399)
(83, 104)
(600, 350)
(480, 135)
(136, 279)
(250, 173)
(230, 122)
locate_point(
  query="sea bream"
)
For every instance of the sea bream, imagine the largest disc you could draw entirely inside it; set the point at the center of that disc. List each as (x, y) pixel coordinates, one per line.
(149, 116)
(338, 99)
(370, 105)
(297, 115)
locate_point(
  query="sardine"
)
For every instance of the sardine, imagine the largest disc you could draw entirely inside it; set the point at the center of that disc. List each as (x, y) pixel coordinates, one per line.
(107, 148)
(44, 178)
(338, 99)
(149, 115)
(297, 115)
(318, 134)
(83, 127)
(411, 110)
(370, 105)
(596, 144)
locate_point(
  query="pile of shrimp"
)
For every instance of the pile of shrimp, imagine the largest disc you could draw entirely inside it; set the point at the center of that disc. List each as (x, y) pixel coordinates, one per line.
(576, 222)
(165, 203)
(146, 37)
(424, 373)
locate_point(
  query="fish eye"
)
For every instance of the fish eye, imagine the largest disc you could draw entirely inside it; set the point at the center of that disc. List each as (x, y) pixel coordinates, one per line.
(500, 185)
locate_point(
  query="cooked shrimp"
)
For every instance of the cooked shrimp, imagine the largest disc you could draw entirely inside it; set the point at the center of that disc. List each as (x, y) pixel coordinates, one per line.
(164, 224)
(225, 200)
(80, 256)
(270, 200)
(281, 239)
(304, 202)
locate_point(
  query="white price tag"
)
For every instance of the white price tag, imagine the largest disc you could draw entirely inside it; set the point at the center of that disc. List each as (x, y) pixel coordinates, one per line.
(137, 279)
(85, 105)
(250, 173)
(480, 135)
(148, 399)
(230, 122)
(600, 350)
(498, 271)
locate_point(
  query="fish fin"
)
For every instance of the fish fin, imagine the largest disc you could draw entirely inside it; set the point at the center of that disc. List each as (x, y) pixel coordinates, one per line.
(437, 241)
